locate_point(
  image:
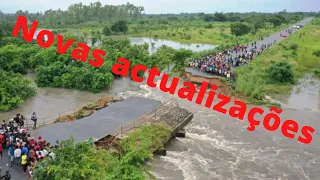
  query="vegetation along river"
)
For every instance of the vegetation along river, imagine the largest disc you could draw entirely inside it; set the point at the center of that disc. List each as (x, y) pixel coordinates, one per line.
(219, 147)
(49, 102)
(216, 146)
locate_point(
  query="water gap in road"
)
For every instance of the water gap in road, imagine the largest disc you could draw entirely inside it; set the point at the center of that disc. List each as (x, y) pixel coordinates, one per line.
(304, 96)
(219, 147)
(216, 146)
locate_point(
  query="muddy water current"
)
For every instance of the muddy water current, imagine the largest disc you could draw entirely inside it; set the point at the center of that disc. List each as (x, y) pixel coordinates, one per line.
(219, 147)
(216, 146)
(305, 95)
(49, 102)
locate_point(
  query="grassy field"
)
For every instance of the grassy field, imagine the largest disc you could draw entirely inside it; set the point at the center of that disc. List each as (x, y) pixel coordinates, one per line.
(219, 34)
(298, 51)
(185, 32)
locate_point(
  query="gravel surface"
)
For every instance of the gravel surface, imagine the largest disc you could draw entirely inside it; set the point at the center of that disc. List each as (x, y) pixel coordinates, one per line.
(175, 116)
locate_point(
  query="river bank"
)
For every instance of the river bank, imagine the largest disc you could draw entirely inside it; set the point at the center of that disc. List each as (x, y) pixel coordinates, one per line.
(296, 50)
(219, 147)
(48, 103)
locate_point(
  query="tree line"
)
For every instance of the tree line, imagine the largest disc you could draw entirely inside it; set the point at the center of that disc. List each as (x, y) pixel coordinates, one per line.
(79, 13)
(56, 70)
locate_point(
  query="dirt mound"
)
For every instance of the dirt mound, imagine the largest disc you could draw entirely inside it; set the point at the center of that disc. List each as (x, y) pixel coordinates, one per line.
(89, 109)
(103, 102)
(66, 118)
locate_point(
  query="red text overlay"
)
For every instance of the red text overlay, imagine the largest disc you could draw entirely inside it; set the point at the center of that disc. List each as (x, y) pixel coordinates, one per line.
(256, 116)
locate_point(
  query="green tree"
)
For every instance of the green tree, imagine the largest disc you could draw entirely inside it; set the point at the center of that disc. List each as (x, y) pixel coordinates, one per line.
(98, 35)
(280, 72)
(107, 31)
(208, 18)
(94, 38)
(220, 17)
(276, 21)
(180, 57)
(75, 162)
(82, 161)
(257, 25)
(5, 28)
(316, 53)
(14, 88)
(120, 26)
(239, 29)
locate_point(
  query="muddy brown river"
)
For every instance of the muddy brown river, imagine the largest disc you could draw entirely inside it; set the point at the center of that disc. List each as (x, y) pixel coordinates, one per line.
(216, 146)
(219, 147)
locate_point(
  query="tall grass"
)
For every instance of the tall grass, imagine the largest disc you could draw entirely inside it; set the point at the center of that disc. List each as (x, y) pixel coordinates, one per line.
(251, 79)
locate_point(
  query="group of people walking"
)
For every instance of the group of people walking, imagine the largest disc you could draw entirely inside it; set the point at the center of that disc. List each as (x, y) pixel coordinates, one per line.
(222, 64)
(23, 150)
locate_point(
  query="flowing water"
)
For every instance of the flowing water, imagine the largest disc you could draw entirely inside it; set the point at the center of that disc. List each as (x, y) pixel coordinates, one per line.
(219, 147)
(216, 146)
(49, 102)
(305, 95)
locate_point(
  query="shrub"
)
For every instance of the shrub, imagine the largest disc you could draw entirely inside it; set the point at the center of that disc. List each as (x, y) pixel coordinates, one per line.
(317, 73)
(188, 37)
(209, 26)
(316, 53)
(76, 161)
(280, 72)
(106, 31)
(294, 47)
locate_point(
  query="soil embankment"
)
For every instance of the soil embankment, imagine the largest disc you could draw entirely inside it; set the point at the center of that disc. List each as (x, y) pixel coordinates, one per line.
(88, 109)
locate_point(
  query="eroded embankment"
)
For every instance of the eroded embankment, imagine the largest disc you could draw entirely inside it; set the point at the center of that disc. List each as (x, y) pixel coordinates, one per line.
(88, 109)
(169, 115)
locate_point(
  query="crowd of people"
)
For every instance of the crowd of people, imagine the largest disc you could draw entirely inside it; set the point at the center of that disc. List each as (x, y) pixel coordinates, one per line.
(221, 64)
(24, 151)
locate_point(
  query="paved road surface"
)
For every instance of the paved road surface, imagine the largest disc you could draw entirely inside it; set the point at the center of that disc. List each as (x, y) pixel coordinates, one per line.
(17, 172)
(97, 125)
(265, 41)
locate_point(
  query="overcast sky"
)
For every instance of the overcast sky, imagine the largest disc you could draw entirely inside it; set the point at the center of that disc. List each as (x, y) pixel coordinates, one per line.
(173, 6)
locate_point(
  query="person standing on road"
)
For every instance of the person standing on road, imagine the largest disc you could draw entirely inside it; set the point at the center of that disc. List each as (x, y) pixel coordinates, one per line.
(17, 156)
(11, 154)
(34, 119)
(22, 120)
(7, 176)
(1, 151)
(24, 160)
(3, 140)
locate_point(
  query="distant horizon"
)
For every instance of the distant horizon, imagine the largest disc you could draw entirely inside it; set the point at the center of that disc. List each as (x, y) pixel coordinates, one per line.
(187, 12)
(173, 7)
